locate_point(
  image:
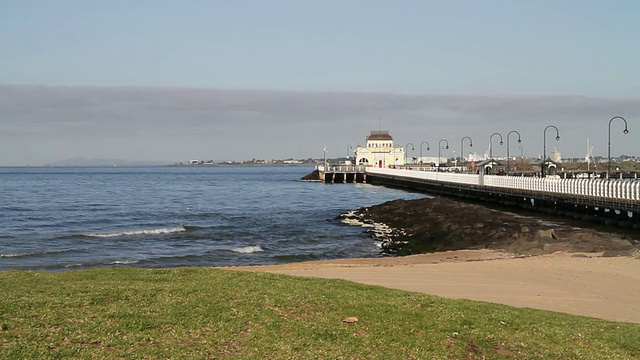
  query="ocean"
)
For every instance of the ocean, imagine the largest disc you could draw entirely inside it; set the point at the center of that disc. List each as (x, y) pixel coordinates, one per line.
(65, 218)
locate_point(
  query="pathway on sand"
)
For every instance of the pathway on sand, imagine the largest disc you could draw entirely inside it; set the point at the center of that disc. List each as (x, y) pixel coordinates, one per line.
(602, 287)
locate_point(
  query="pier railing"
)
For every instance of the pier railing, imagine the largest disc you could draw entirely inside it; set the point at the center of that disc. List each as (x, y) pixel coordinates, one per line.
(612, 189)
(342, 168)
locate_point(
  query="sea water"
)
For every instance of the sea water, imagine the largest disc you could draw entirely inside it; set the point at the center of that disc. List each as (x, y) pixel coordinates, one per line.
(64, 218)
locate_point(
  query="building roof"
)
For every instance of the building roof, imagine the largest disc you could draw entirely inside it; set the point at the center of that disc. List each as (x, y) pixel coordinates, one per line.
(379, 135)
(489, 161)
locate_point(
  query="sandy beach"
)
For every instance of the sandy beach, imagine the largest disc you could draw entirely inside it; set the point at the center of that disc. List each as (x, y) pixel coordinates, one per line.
(579, 284)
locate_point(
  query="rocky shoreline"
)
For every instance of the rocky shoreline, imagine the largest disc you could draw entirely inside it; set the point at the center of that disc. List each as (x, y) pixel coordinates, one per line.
(406, 227)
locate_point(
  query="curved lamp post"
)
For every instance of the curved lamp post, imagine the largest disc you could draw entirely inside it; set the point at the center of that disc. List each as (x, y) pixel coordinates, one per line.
(461, 152)
(440, 150)
(491, 144)
(544, 145)
(625, 131)
(422, 143)
(519, 141)
(407, 153)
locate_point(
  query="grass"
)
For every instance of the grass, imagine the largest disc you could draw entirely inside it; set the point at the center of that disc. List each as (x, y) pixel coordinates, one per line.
(206, 313)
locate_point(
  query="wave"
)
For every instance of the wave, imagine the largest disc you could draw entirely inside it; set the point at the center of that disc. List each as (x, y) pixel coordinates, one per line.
(34, 253)
(124, 262)
(138, 232)
(247, 249)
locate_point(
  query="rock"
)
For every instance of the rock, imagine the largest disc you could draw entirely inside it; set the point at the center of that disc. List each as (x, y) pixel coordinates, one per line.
(614, 253)
(350, 320)
(579, 256)
(619, 245)
(443, 224)
(313, 176)
(549, 233)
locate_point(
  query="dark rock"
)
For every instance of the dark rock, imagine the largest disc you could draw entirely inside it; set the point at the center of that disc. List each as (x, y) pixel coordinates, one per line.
(441, 224)
(313, 176)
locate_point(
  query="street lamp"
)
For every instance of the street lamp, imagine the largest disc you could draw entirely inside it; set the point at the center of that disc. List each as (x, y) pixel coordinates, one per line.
(544, 144)
(440, 150)
(521, 152)
(407, 154)
(461, 152)
(625, 131)
(491, 144)
(422, 143)
(348, 148)
(519, 141)
(325, 158)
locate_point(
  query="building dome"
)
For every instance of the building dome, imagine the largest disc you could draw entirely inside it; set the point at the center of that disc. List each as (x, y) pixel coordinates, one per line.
(379, 135)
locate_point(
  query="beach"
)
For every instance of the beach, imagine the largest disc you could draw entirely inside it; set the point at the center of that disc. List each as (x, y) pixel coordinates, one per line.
(470, 251)
(573, 283)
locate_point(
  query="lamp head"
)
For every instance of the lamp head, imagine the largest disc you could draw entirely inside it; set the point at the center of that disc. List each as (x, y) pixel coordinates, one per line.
(428, 148)
(501, 142)
(447, 147)
(470, 145)
(558, 137)
(626, 131)
(519, 141)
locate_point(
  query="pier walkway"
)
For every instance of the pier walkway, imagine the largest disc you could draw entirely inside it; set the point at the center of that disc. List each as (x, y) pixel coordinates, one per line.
(613, 202)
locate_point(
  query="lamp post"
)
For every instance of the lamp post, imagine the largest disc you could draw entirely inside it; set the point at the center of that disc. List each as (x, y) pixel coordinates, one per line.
(422, 143)
(440, 150)
(521, 152)
(462, 152)
(407, 154)
(625, 131)
(491, 144)
(349, 147)
(519, 141)
(544, 144)
(325, 159)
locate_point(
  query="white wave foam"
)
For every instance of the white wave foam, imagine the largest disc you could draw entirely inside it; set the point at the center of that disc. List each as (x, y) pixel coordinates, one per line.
(15, 255)
(123, 262)
(138, 232)
(248, 249)
(48, 252)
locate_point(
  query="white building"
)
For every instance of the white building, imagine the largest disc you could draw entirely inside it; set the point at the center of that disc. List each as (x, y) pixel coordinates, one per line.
(379, 151)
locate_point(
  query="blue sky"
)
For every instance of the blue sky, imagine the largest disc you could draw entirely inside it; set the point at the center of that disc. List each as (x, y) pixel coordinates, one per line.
(486, 49)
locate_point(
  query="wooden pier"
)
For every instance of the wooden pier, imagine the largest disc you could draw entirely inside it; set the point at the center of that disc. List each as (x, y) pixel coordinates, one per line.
(606, 201)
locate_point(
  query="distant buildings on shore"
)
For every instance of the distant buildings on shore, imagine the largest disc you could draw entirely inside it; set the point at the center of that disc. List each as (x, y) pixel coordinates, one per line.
(289, 161)
(381, 151)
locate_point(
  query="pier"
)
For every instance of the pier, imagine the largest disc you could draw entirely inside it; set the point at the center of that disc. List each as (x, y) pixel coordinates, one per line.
(343, 174)
(607, 201)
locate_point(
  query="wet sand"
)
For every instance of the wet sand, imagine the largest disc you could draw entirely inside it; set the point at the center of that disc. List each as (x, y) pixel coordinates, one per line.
(579, 284)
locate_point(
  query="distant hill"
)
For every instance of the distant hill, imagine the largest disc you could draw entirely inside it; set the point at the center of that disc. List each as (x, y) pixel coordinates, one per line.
(80, 161)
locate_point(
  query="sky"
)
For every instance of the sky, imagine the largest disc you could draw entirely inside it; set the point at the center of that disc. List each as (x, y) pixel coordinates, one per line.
(235, 80)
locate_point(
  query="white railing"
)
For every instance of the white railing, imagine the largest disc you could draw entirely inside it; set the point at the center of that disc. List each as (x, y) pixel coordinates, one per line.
(612, 189)
(341, 168)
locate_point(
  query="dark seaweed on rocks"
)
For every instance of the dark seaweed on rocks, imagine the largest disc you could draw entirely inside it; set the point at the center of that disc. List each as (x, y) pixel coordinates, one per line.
(442, 224)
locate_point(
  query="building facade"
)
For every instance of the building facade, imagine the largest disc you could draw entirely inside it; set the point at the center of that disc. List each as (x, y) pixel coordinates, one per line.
(379, 151)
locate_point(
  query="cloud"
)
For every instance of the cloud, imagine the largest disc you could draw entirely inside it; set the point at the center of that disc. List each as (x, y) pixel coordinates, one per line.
(41, 124)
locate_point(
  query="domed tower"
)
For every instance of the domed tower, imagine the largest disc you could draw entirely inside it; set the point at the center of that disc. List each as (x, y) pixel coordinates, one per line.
(379, 151)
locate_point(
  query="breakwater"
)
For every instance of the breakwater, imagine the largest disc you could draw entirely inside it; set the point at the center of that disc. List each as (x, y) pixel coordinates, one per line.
(610, 202)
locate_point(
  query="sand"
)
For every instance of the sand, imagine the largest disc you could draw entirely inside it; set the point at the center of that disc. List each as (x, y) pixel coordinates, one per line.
(588, 285)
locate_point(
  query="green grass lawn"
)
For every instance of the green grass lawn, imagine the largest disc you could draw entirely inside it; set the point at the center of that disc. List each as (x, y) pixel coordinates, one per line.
(206, 313)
